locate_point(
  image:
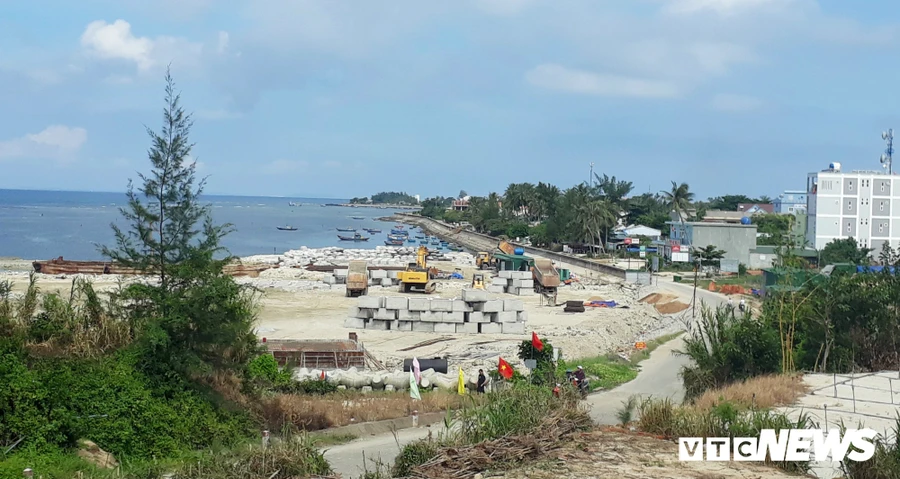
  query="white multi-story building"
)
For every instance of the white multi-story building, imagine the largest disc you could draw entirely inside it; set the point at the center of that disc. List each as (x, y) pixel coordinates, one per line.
(864, 205)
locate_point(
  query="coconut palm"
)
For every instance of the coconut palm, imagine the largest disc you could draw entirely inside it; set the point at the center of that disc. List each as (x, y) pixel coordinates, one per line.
(594, 217)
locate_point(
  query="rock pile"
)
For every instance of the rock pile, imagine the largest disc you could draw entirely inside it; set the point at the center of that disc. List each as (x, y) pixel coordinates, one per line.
(377, 277)
(380, 256)
(472, 314)
(386, 380)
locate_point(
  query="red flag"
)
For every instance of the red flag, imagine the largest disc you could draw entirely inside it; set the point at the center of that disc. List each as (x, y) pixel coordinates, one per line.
(536, 342)
(505, 369)
(323, 375)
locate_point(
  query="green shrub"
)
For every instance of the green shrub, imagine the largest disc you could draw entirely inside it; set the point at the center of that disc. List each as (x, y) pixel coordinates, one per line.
(412, 455)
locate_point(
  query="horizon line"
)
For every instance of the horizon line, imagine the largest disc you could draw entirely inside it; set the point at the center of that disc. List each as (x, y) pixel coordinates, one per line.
(204, 194)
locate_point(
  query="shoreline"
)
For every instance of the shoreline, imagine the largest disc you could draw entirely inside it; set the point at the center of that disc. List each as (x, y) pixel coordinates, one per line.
(383, 206)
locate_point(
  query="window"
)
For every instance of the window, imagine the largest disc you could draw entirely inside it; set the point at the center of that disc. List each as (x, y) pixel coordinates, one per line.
(881, 227)
(848, 226)
(850, 186)
(881, 206)
(882, 186)
(849, 205)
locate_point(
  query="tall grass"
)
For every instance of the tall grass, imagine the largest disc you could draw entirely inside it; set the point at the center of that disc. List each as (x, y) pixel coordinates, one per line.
(885, 464)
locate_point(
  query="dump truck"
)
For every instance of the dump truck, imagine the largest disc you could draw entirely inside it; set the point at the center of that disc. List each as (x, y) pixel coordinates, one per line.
(506, 248)
(546, 279)
(357, 279)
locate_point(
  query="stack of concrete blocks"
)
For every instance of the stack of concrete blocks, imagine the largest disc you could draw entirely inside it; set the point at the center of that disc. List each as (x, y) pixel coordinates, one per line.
(377, 277)
(473, 313)
(519, 283)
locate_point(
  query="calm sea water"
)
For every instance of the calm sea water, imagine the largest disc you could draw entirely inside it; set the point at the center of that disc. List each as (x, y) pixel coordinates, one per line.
(48, 224)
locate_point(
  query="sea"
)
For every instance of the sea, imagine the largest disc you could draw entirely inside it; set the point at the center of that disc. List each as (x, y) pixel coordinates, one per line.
(39, 225)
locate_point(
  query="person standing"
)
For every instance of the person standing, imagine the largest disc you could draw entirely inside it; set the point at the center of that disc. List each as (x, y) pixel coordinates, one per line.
(482, 381)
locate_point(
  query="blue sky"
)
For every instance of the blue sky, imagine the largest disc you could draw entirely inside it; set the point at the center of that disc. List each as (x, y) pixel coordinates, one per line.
(326, 98)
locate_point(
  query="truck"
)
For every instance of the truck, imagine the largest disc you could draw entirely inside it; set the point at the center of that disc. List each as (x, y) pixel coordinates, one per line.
(357, 278)
(546, 279)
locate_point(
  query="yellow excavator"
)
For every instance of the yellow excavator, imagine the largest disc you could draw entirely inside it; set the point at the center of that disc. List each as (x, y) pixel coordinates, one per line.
(417, 277)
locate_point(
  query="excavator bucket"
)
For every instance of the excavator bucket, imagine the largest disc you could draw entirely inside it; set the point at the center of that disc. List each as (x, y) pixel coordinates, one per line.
(430, 287)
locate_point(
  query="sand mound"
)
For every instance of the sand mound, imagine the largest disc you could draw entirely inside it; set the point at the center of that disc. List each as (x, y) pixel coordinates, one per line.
(657, 298)
(671, 307)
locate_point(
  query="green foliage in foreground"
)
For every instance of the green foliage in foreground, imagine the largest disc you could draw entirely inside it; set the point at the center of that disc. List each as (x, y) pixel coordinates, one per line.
(263, 373)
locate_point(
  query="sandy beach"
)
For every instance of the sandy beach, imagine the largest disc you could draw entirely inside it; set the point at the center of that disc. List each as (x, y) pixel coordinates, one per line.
(297, 304)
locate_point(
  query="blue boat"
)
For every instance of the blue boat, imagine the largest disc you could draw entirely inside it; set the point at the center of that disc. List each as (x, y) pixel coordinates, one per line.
(411, 240)
(372, 230)
(435, 242)
(424, 241)
(420, 236)
(400, 232)
(397, 237)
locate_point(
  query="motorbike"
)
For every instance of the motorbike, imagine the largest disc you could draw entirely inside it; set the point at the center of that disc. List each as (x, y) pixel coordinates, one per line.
(580, 386)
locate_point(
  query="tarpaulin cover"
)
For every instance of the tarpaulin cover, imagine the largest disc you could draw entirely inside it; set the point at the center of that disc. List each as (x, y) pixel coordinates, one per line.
(600, 304)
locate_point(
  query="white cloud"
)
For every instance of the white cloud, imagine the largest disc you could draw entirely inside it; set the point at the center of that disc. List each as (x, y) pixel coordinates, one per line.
(556, 77)
(56, 142)
(284, 166)
(735, 103)
(332, 164)
(115, 41)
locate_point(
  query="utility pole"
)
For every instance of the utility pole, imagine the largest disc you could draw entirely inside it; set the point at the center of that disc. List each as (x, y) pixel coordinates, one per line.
(888, 155)
(591, 178)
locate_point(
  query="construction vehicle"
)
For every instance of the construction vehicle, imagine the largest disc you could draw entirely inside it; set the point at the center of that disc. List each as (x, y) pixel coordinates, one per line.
(484, 260)
(546, 279)
(357, 279)
(506, 248)
(478, 281)
(417, 277)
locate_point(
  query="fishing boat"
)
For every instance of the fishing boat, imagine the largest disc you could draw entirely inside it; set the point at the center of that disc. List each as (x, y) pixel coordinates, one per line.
(357, 237)
(358, 217)
(423, 241)
(411, 240)
(397, 237)
(399, 227)
(420, 236)
(372, 230)
(435, 242)
(346, 230)
(393, 243)
(400, 232)
(286, 228)
(291, 203)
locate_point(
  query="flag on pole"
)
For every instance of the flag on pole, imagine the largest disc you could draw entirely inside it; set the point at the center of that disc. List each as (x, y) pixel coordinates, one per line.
(413, 387)
(536, 342)
(461, 385)
(417, 370)
(505, 369)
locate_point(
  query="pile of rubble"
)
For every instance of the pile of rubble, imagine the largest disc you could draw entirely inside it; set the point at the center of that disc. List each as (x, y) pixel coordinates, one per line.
(472, 314)
(379, 256)
(366, 380)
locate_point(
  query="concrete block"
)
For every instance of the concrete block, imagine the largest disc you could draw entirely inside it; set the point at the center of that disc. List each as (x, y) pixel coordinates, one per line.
(500, 282)
(385, 314)
(401, 326)
(328, 279)
(494, 306)
(524, 291)
(522, 316)
(419, 304)
(372, 281)
(431, 316)
(340, 273)
(454, 317)
(378, 274)
(405, 315)
(363, 313)
(505, 317)
(420, 327)
(378, 325)
(475, 317)
(372, 302)
(474, 295)
(392, 274)
(489, 318)
(396, 302)
(467, 328)
(522, 283)
(512, 328)
(505, 274)
(444, 327)
(490, 328)
(441, 305)
(477, 306)
(355, 323)
(522, 275)
(460, 306)
(513, 305)
(496, 289)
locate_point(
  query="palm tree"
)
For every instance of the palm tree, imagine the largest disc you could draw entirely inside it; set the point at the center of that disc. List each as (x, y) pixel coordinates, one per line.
(679, 200)
(593, 217)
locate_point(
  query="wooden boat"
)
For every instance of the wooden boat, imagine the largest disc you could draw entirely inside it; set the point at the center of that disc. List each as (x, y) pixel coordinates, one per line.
(420, 236)
(397, 237)
(400, 232)
(411, 240)
(372, 230)
(63, 266)
(393, 243)
(399, 227)
(346, 230)
(291, 203)
(358, 217)
(286, 228)
(357, 237)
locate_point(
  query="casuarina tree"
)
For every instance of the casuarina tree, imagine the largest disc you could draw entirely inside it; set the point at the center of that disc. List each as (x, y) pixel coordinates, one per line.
(193, 317)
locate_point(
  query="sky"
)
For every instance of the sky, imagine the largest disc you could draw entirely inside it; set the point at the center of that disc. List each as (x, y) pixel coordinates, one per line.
(325, 98)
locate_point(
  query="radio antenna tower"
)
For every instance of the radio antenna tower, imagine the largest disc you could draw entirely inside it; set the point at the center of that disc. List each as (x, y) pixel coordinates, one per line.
(887, 157)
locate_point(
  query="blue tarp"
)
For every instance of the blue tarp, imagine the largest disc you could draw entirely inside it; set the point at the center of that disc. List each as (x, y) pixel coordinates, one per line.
(632, 249)
(456, 276)
(601, 304)
(874, 269)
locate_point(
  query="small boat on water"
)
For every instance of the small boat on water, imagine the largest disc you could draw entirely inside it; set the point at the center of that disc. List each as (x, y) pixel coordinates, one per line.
(400, 232)
(358, 217)
(286, 228)
(393, 243)
(291, 203)
(372, 230)
(346, 230)
(435, 242)
(357, 237)
(397, 237)
(411, 240)
(399, 227)
(423, 241)
(420, 236)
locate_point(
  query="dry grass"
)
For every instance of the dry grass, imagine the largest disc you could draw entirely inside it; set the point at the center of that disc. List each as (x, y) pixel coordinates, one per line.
(762, 392)
(313, 413)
